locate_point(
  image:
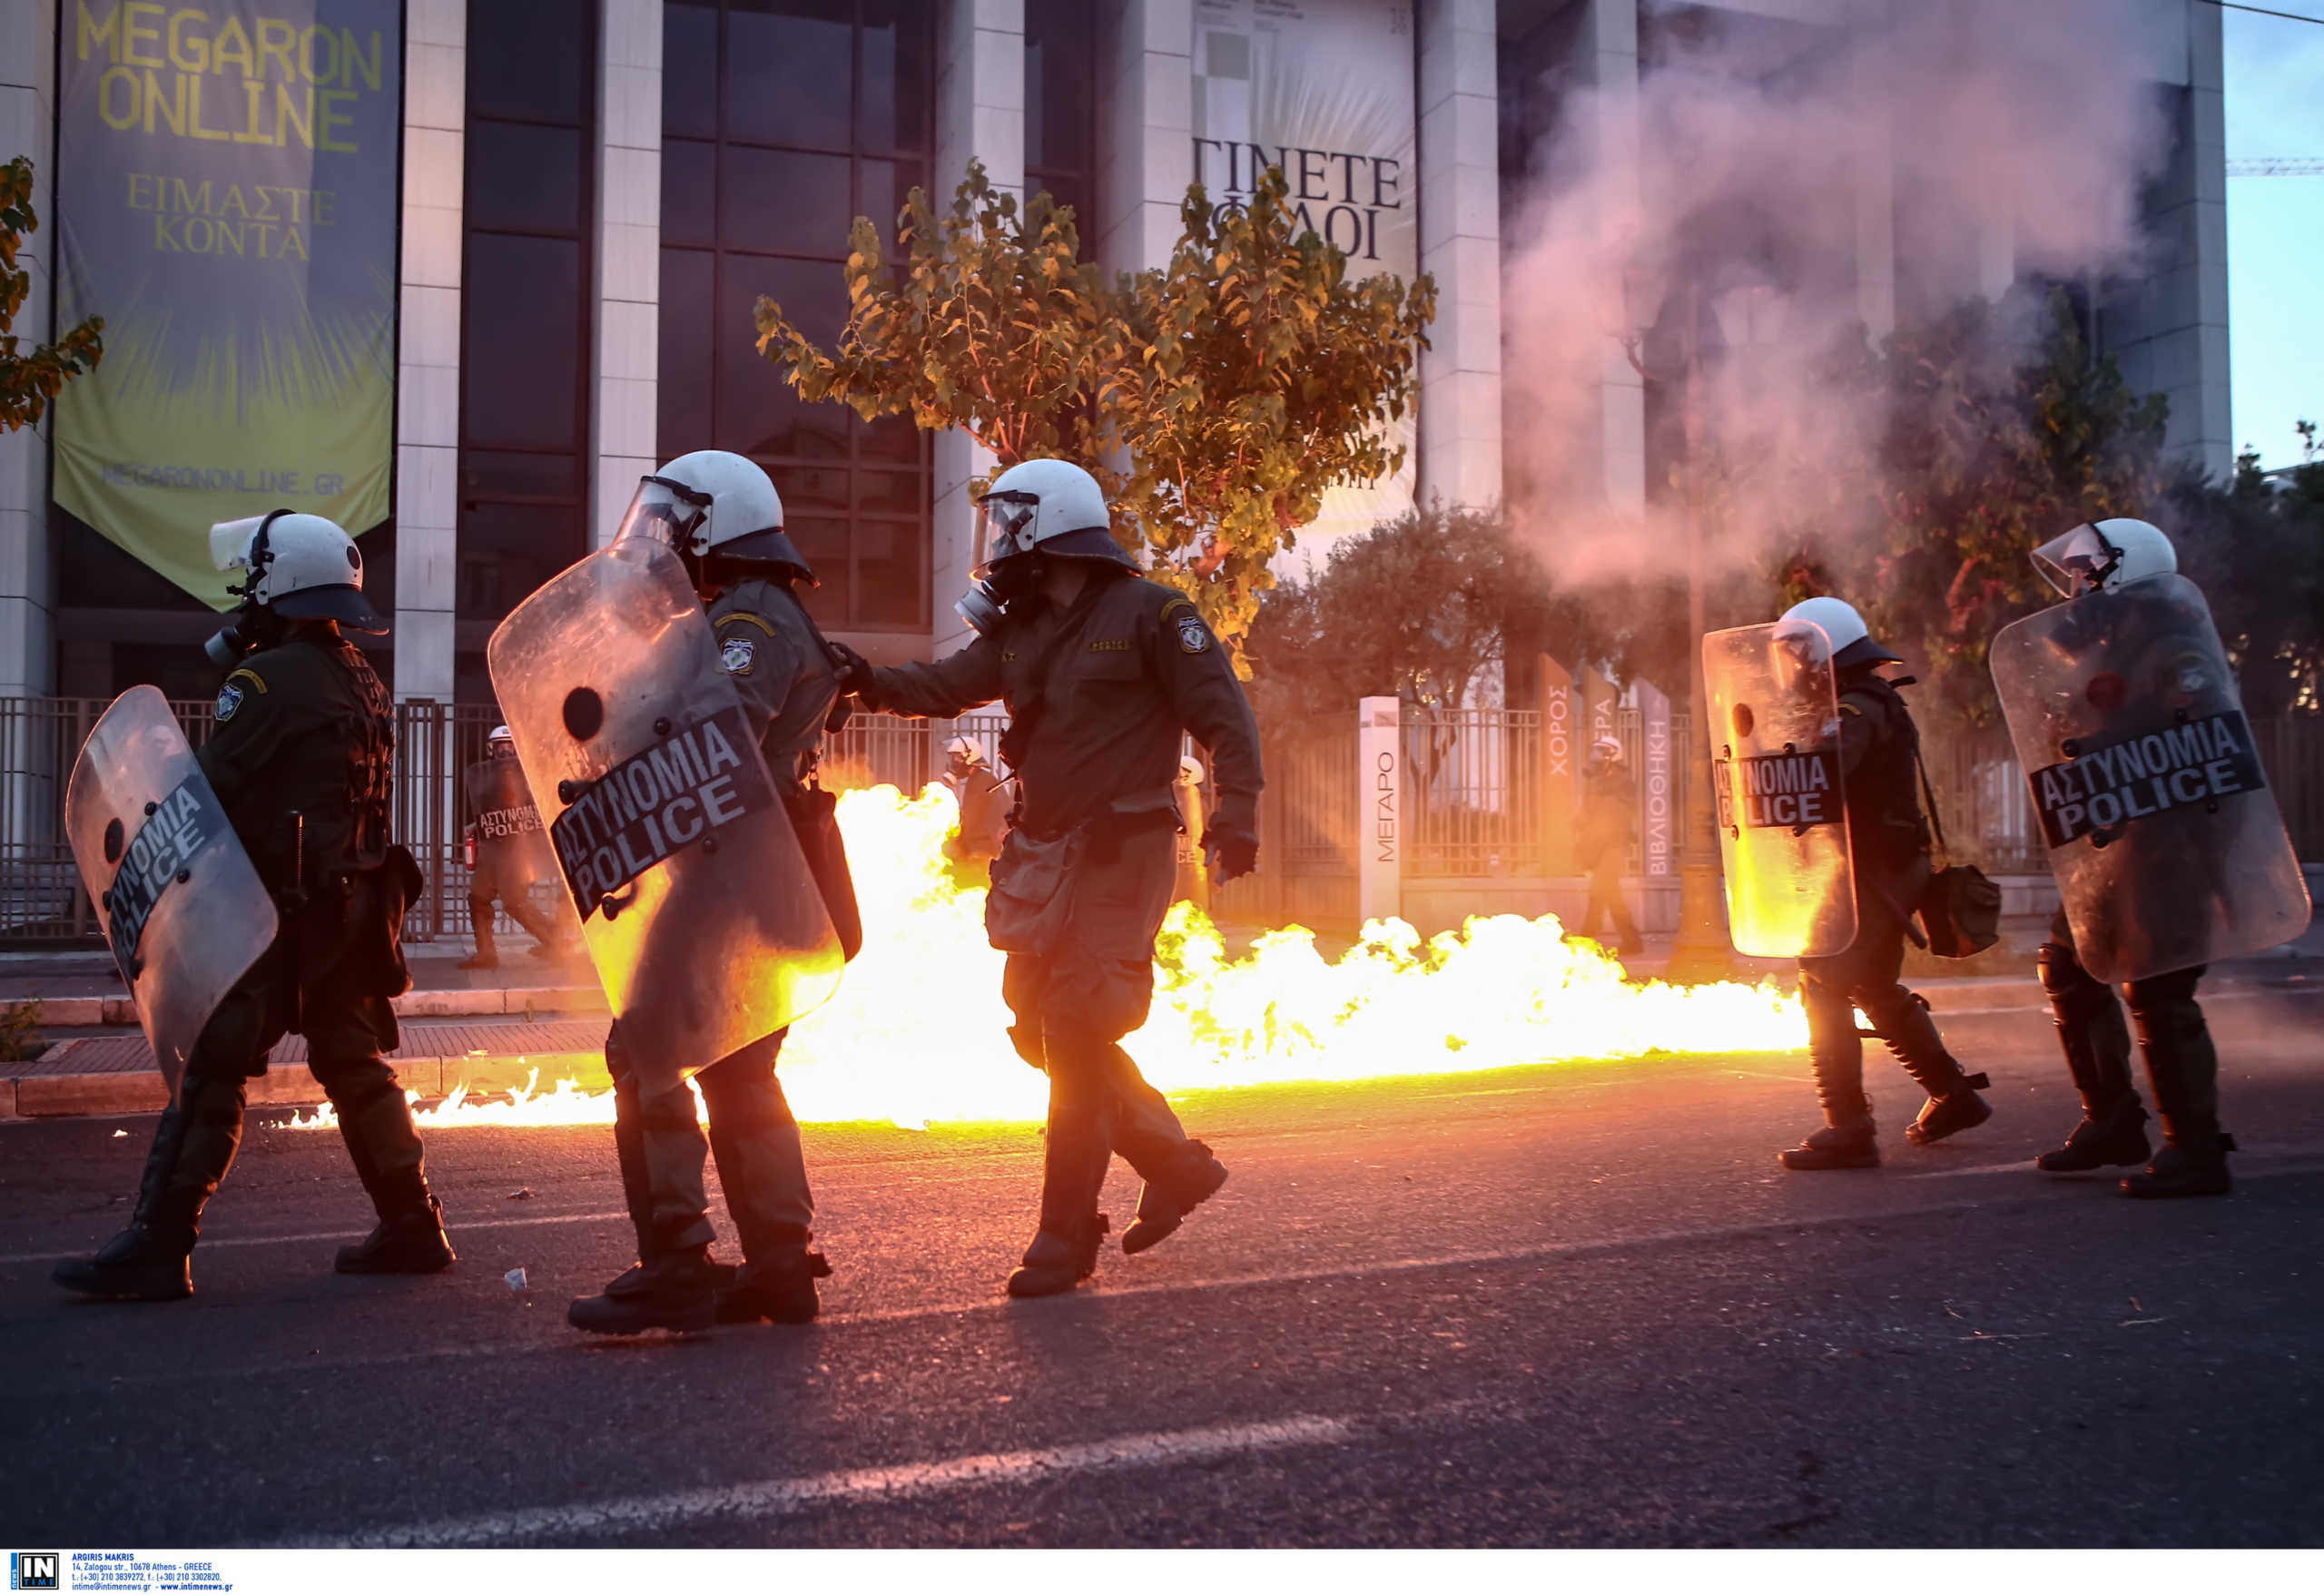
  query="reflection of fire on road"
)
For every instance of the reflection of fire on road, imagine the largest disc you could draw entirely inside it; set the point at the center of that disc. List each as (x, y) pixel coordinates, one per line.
(915, 1032)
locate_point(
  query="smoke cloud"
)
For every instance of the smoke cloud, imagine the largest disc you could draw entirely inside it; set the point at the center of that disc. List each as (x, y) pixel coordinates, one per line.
(1773, 191)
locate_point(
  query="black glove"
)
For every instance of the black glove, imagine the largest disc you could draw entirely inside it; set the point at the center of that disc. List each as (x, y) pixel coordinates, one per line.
(854, 669)
(1231, 854)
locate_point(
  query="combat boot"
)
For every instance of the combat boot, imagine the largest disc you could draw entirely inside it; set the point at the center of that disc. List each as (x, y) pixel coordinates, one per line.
(194, 1142)
(2113, 1137)
(410, 1240)
(487, 955)
(677, 1290)
(777, 1290)
(1079, 1147)
(1848, 1139)
(2185, 1168)
(1953, 1105)
(135, 1266)
(1164, 1203)
(1838, 1145)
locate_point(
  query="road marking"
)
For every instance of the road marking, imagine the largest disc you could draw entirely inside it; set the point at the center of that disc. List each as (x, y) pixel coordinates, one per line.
(2277, 1155)
(662, 1514)
(316, 1237)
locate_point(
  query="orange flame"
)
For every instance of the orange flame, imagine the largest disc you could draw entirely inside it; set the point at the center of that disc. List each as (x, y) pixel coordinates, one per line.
(917, 1031)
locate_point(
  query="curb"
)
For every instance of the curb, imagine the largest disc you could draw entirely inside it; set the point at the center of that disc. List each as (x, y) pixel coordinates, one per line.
(76, 1013)
(128, 1091)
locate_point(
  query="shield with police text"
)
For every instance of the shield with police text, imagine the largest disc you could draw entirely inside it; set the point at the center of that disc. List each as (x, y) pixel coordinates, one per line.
(512, 848)
(1783, 823)
(2145, 781)
(700, 912)
(177, 899)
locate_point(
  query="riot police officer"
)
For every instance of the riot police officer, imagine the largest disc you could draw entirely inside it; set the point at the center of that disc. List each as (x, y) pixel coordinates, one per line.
(722, 515)
(510, 856)
(1103, 672)
(2181, 1063)
(300, 758)
(1889, 854)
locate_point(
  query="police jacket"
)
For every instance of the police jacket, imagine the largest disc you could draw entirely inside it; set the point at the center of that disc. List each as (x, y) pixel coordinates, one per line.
(1878, 776)
(1109, 685)
(778, 663)
(305, 728)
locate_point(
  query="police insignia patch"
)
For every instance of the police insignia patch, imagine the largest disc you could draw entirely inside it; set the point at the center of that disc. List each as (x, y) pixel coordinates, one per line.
(230, 698)
(1194, 637)
(736, 653)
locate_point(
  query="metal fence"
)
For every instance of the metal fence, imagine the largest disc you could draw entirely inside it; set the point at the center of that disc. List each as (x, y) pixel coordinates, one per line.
(1475, 801)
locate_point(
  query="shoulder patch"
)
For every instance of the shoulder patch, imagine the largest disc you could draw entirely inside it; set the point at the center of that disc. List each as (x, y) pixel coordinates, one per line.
(237, 687)
(1194, 637)
(1851, 709)
(745, 617)
(738, 655)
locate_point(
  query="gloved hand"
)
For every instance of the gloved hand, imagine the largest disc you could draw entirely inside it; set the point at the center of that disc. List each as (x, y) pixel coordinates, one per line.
(1230, 853)
(854, 669)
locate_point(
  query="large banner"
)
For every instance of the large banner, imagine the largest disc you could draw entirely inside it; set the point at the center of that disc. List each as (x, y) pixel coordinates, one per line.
(227, 201)
(1324, 89)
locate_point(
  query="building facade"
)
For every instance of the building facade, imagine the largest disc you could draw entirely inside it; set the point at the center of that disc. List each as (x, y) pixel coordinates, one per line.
(591, 194)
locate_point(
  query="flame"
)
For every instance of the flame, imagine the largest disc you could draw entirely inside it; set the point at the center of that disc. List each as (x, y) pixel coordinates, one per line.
(917, 1031)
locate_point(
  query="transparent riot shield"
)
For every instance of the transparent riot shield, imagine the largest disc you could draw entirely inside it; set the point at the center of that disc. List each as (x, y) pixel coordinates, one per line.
(1783, 827)
(177, 899)
(699, 914)
(512, 847)
(2164, 838)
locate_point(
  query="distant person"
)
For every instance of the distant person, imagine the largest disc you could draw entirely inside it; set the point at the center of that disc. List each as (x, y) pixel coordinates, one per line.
(1609, 828)
(984, 799)
(508, 855)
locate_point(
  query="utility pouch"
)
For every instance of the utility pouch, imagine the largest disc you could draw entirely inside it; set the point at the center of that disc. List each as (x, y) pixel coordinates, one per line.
(814, 816)
(398, 884)
(1025, 911)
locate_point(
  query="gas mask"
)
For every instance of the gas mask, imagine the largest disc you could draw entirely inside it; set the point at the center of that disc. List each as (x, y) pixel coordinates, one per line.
(985, 603)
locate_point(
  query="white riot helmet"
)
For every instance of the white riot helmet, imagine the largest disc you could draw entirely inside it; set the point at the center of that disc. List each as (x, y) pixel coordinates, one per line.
(965, 750)
(300, 568)
(501, 741)
(713, 502)
(1851, 639)
(2098, 556)
(1606, 749)
(1190, 769)
(1052, 506)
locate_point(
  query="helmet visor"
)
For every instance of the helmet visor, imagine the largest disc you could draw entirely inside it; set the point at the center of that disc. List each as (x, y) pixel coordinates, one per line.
(669, 513)
(1005, 523)
(2080, 562)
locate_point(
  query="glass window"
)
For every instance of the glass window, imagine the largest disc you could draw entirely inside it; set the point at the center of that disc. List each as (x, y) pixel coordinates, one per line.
(524, 310)
(783, 121)
(1061, 106)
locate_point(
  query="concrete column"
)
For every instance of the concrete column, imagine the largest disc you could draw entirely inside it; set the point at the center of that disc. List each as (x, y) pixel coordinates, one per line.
(2202, 424)
(1146, 129)
(1460, 244)
(1875, 177)
(27, 122)
(627, 322)
(1610, 43)
(979, 114)
(428, 346)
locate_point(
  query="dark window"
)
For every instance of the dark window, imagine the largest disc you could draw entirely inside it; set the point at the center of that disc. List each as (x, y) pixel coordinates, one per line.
(781, 122)
(526, 321)
(1060, 107)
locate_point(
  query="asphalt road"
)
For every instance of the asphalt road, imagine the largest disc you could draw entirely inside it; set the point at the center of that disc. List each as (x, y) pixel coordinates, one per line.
(1560, 1305)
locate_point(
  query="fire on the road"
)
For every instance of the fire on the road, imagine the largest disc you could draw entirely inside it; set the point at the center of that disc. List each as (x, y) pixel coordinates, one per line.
(916, 1033)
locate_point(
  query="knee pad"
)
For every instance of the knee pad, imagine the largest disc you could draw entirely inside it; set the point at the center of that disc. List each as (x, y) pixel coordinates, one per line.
(354, 1084)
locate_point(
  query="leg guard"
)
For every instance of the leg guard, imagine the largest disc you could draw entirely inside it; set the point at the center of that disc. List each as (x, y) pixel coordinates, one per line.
(1848, 1139)
(1180, 1175)
(761, 1164)
(1079, 1147)
(1903, 1019)
(487, 955)
(2091, 1034)
(193, 1146)
(2182, 1065)
(374, 1121)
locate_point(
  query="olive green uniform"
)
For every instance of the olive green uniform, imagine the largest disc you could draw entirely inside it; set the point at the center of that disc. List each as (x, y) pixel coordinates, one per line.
(1108, 687)
(1608, 826)
(788, 685)
(1888, 839)
(304, 730)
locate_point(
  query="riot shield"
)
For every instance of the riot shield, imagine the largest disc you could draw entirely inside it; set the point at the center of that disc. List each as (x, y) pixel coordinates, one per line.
(512, 848)
(2164, 838)
(700, 913)
(179, 900)
(1783, 825)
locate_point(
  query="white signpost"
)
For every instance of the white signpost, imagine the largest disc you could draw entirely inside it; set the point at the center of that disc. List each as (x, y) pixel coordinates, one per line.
(1380, 774)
